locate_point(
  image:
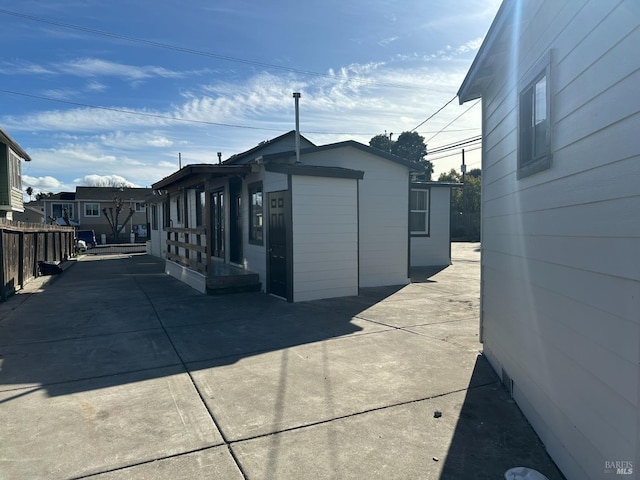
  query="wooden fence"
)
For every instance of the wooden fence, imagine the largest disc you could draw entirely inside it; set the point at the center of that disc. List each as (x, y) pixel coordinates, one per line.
(23, 245)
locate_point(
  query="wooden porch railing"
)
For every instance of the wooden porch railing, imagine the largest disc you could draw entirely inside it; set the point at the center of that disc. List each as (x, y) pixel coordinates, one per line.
(188, 246)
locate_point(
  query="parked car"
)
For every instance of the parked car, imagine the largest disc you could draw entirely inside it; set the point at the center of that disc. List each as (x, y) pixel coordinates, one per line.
(88, 236)
(81, 246)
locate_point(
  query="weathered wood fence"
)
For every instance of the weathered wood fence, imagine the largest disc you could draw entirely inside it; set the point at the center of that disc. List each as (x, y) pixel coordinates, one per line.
(23, 245)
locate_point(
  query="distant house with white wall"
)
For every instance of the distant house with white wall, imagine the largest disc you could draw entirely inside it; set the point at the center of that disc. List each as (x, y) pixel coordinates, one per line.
(11, 157)
(335, 222)
(560, 287)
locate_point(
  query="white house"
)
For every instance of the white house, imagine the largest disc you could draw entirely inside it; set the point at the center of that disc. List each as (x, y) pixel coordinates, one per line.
(337, 221)
(560, 224)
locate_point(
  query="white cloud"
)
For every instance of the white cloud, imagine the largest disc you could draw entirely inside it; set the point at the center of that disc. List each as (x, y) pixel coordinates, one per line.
(94, 180)
(41, 184)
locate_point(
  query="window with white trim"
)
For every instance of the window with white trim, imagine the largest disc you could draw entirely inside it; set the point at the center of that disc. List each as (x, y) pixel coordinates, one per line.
(91, 209)
(58, 210)
(419, 211)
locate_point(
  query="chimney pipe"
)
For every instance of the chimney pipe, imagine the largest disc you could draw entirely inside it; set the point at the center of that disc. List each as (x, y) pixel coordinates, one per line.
(219, 158)
(296, 96)
(179, 160)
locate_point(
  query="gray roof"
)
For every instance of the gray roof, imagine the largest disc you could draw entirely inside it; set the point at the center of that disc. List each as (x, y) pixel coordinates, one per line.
(353, 144)
(5, 138)
(106, 194)
(268, 145)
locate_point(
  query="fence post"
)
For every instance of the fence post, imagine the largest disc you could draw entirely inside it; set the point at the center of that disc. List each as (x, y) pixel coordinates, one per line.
(21, 258)
(3, 290)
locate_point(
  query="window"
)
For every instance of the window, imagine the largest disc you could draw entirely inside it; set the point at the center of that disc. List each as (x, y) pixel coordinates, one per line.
(15, 170)
(59, 210)
(255, 214)
(141, 207)
(200, 206)
(217, 224)
(534, 120)
(419, 212)
(91, 209)
(154, 217)
(179, 209)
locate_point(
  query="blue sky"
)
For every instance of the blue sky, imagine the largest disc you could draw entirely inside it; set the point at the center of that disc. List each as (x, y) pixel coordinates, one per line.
(203, 77)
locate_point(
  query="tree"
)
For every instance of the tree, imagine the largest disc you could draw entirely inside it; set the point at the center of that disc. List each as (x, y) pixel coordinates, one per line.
(41, 195)
(29, 191)
(112, 215)
(465, 204)
(409, 146)
(467, 198)
(452, 176)
(381, 142)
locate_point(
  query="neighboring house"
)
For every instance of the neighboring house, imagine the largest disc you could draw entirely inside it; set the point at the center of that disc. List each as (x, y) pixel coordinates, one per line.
(84, 208)
(11, 158)
(560, 232)
(33, 213)
(324, 227)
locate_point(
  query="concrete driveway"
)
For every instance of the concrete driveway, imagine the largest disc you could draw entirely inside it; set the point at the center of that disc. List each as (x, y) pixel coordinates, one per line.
(115, 370)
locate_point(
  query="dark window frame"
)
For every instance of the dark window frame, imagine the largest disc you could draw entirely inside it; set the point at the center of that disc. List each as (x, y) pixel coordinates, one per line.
(154, 217)
(256, 228)
(427, 212)
(535, 138)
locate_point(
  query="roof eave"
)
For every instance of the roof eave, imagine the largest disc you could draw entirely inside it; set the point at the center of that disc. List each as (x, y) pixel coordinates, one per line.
(203, 170)
(15, 146)
(472, 85)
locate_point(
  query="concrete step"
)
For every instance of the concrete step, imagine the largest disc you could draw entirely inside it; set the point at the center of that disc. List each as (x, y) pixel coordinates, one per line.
(225, 278)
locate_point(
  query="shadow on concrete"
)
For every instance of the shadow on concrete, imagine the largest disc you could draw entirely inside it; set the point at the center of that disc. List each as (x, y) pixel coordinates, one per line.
(492, 435)
(113, 321)
(423, 274)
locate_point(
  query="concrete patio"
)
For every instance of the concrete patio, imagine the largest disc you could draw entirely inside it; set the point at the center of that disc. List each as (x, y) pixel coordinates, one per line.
(115, 370)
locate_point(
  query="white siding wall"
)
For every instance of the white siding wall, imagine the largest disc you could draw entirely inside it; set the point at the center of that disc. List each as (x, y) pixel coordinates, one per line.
(434, 249)
(560, 263)
(325, 237)
(384, 215)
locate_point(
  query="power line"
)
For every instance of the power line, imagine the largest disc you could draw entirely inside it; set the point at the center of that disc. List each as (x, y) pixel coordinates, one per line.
(434, 114)
(453, 146)
(201, 53)
(178, 119)
(131, 112)
(448, 124)
(455, 154)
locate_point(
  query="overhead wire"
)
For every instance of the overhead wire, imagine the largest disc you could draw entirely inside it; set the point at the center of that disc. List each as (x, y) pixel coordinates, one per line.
(201, 53)
(211, 55)
(451, 122)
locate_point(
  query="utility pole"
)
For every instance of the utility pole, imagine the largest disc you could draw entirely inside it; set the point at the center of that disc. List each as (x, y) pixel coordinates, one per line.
(463, 168)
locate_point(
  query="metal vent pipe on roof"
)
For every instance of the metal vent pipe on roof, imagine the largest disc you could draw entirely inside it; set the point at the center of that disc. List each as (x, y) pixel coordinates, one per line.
(296, 96)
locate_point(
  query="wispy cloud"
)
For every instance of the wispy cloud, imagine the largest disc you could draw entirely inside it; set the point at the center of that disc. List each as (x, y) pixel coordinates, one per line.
(95, 67)
(386, 41)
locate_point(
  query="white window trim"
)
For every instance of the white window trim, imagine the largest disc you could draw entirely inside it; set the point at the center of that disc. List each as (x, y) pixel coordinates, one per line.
(85, 209)
(426, 212)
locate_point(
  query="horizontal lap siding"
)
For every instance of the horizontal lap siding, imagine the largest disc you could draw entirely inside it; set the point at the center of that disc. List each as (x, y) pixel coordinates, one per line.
(325, 237)
(384, 214)
(560, 265)
(434, 249)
